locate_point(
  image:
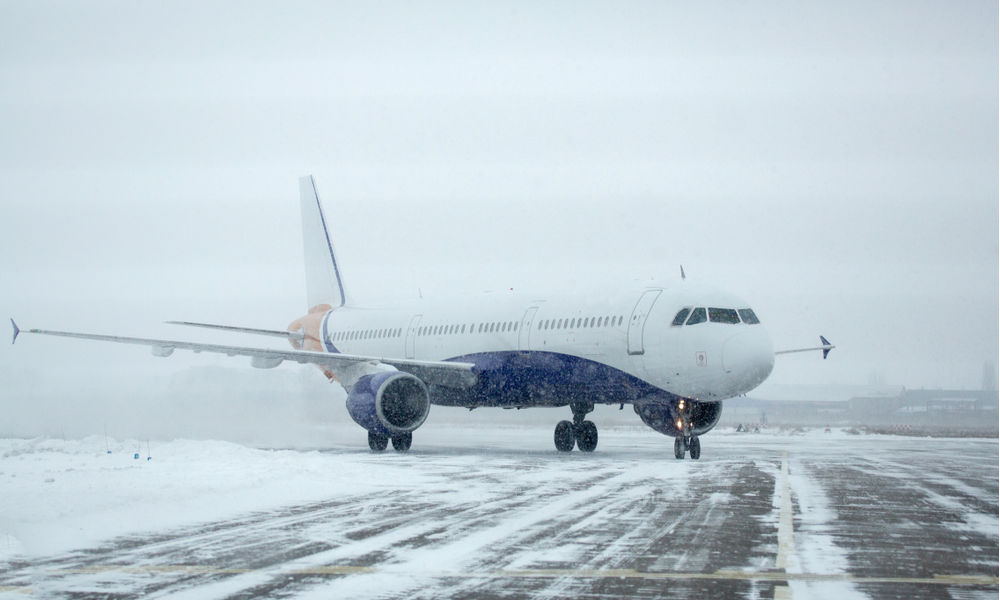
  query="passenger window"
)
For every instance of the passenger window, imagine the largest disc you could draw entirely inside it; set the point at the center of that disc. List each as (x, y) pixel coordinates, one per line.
(697, 316)
(683, 314)
(723, 315)
(748, 316)
(516, 325)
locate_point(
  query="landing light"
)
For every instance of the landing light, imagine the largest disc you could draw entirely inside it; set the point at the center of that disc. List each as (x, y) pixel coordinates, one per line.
(680, 405)
(680, 424)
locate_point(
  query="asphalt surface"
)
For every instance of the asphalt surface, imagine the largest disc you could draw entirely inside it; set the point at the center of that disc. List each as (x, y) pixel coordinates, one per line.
(757, 517)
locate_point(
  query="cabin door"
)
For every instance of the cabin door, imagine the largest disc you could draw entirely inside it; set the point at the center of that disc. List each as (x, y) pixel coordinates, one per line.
(637, 322)
(411, 336)
(524, 332)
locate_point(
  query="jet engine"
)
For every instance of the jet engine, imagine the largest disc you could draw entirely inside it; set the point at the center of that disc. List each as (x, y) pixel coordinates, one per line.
(663, 416)
(389, 403)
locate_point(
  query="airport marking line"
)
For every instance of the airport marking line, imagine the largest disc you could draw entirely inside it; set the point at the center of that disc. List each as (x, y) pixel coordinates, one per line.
(721, 575)
(786, 527)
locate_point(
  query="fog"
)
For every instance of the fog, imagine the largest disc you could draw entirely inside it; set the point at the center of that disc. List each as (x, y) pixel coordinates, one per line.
(835, 164)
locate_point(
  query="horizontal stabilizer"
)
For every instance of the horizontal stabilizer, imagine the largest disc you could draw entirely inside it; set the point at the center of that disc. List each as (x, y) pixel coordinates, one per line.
(17, 330)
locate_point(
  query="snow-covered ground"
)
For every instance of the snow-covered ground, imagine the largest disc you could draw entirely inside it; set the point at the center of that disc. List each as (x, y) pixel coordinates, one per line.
(468, 501)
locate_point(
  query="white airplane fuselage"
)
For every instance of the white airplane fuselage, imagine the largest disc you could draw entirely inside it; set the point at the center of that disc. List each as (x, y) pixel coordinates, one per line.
(551, 351)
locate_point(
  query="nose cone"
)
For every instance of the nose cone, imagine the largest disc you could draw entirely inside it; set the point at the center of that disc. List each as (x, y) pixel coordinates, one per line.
(748, 359)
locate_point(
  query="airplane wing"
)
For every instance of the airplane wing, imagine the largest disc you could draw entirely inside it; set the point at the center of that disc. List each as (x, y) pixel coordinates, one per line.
(443, 373)
(826, 347)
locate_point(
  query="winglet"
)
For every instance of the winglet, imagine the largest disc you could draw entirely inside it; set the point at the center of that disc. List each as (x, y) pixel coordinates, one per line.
(17, 330)
(827, 346)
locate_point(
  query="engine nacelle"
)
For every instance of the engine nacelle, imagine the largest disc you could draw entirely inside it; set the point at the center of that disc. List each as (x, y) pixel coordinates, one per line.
(663, 416)
(389, 403)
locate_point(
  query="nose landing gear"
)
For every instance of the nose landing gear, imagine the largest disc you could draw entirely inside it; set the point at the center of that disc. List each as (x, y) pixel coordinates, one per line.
(580, 432)
(686, 442)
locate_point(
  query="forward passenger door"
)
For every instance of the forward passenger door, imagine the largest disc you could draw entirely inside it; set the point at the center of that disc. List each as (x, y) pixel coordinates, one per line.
(637, 322)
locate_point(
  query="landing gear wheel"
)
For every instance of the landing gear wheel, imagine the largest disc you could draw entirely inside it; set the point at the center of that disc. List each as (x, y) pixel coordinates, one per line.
(402, 442)
(586, 436)
(377, 442)
(679, 448)
(564, 436)
(694, 448)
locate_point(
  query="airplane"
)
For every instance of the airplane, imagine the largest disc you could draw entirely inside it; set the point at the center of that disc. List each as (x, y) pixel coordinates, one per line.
(674, 352)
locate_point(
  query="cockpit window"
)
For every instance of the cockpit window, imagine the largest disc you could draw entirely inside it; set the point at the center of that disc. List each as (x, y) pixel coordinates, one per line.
(697, 316)
(748, 316)
(723, 315)
(683, 314)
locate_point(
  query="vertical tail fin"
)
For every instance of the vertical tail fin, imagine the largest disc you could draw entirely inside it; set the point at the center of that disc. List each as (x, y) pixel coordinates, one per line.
(324, 283)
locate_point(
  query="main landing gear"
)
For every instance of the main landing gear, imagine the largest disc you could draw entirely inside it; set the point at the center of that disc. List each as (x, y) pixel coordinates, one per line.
(687, 441)
(580, 432)
(400, 443)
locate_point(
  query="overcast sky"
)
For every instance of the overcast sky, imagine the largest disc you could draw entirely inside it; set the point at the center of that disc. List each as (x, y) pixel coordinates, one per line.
(834, 163)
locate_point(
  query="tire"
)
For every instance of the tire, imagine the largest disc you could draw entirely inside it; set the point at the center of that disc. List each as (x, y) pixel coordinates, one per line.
(695, 448)
(377, 442)
(586, 436)
(402, 442)
(679, 448)
(564, 436)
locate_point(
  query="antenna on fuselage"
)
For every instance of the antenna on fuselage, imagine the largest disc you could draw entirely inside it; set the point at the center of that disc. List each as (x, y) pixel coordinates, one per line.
(683, 276)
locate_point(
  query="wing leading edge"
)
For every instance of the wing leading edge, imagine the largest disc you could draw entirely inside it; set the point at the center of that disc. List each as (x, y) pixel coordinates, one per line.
(826, 347)
(443, 373)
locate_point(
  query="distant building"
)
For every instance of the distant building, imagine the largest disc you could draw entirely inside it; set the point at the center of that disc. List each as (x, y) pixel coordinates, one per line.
(880, 407)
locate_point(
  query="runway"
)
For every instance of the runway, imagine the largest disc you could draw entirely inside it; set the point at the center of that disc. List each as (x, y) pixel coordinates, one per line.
(497, 514)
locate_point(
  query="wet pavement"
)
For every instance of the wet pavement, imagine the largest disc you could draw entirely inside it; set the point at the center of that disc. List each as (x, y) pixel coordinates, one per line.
(765, 516)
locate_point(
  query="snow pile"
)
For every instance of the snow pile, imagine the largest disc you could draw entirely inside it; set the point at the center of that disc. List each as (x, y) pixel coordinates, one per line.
(58, 495)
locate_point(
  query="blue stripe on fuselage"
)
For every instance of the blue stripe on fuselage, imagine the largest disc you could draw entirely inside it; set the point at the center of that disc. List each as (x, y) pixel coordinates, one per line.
(325, 336)
(522, 379)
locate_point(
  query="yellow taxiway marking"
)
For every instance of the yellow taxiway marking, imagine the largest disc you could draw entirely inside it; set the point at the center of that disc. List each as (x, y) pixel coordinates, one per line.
(723, 575)
(786, 529)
